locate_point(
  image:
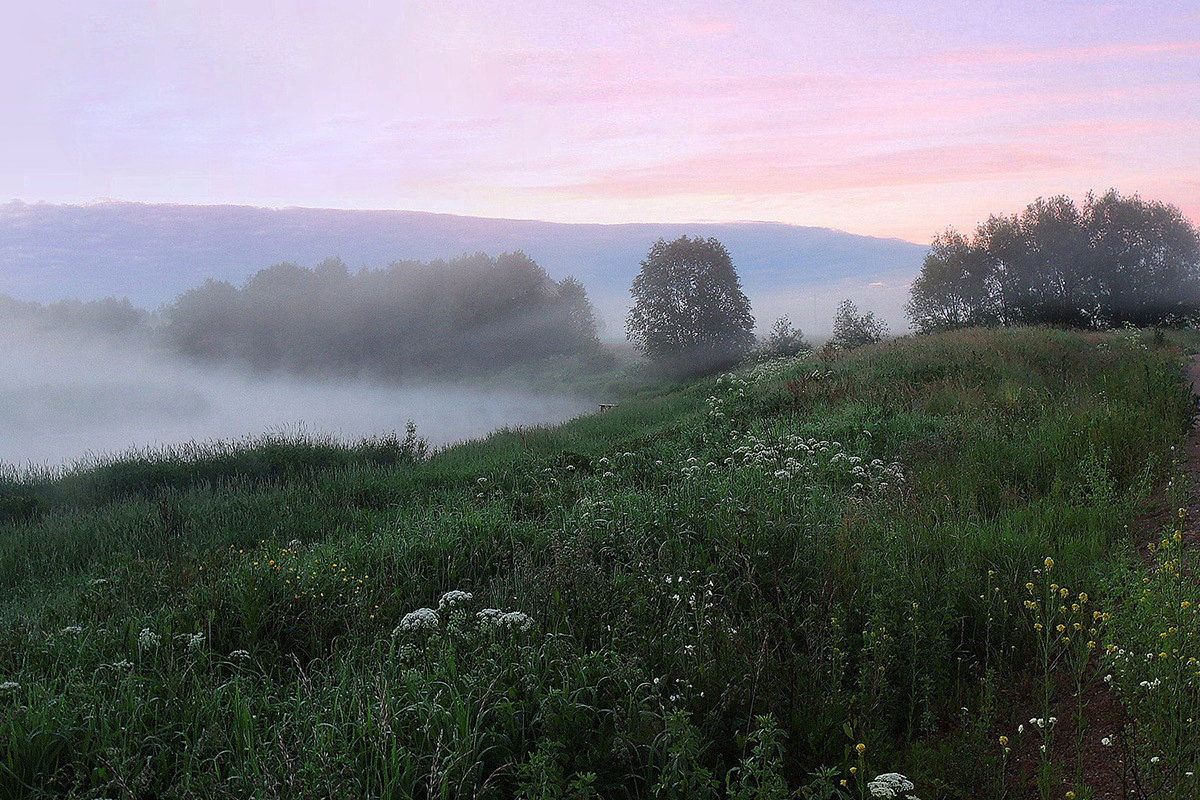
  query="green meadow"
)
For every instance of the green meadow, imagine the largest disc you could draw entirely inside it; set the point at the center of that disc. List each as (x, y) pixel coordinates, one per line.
(933, 557)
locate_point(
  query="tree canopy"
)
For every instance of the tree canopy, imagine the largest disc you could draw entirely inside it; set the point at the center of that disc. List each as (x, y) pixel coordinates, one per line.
(689, 313)
(1115, 260)
(852, 329)
(476, 314)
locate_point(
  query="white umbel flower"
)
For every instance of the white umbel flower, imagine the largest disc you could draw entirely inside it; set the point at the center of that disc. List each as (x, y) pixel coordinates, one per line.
(454, 598)
(515, 620)
(489, 617)
(419, 620)
(148, 639)
(891, 785)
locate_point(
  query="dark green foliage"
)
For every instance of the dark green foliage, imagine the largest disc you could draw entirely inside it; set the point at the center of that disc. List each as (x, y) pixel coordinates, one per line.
(689, 314)
(1114, 261)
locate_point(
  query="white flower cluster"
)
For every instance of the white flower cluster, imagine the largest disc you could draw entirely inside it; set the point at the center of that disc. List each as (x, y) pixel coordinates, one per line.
(792, 457)
(515, 621)
(453, 599)
(496, 619)
(892, 785)
(148, 639)
(423, 619)
(192, 641)
(775, 368)
(240, 655)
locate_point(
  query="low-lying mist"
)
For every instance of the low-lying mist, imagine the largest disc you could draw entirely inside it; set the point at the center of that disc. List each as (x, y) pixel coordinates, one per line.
(68, 399)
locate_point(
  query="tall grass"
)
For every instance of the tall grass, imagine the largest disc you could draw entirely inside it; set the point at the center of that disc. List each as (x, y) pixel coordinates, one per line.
(790, 578)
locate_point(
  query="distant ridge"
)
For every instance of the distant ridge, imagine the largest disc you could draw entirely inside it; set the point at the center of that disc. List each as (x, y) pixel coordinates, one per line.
(152, 252)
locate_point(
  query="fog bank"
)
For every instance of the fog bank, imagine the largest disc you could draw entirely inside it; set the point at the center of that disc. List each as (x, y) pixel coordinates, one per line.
(65, 399)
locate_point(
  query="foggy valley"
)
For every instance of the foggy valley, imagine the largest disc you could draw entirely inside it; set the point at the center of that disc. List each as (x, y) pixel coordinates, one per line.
(66, 398)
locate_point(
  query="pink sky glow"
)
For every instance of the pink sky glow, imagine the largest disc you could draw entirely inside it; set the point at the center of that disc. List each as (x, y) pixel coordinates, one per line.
(890, 119)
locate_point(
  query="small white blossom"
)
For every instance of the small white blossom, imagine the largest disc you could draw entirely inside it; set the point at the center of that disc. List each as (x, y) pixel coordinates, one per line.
(148, 639)
(890, 785)
(240, 655)
(9, 686)
(454, 598)
(421, 619)
(489, 617)
(515, 620)
(193, 641)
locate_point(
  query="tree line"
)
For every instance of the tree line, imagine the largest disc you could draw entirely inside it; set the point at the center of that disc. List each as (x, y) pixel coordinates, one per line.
(1114, 260)
(473, 315)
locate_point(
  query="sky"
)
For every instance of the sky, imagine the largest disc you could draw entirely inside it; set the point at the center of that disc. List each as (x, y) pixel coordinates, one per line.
(887, 118)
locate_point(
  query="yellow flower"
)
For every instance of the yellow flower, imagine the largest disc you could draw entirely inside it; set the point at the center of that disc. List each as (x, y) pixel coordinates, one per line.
(1004, 740)
(860, 748)
(1049, 562)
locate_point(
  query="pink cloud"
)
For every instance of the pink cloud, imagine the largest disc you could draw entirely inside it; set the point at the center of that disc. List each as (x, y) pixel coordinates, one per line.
(1009, 55)
(766, 173)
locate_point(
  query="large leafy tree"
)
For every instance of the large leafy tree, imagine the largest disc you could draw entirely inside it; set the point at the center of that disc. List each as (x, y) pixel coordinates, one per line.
(1114, 260)
(689, 313)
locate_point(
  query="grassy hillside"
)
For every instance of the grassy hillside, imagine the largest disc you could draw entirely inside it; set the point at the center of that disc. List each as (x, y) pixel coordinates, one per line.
(795, 577)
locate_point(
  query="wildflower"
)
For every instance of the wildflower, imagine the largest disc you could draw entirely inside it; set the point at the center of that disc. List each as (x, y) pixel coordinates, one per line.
(10, 686)
(860, 748)
(1049, 562)
(421, 619)
(515, 620)
(454, 598)
(240, 655)
(489, 617)
(890, 785)
(148, 639)
(1004, 740)
(71, 630)
(1106, 741)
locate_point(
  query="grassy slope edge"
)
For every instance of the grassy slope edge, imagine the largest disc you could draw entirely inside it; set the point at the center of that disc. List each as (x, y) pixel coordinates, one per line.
(798, 575)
